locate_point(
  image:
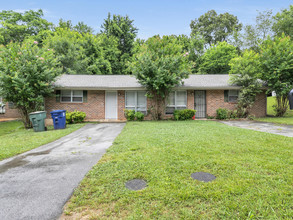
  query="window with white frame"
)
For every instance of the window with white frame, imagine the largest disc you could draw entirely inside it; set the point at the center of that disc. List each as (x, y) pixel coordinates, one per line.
(233, 95)
(136, 100)
(71, 96)
(176, 100)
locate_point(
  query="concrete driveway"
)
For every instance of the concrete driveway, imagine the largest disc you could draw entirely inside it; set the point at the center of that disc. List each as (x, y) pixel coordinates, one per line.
(37, 184)
(285, 130)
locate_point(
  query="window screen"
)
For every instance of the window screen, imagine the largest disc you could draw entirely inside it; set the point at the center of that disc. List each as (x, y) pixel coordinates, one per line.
(72, 96)
(136, 100)
(233, 95)
(176, 100)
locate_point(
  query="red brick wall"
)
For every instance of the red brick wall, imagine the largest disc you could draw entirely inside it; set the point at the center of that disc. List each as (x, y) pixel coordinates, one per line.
(215, 100)
(259, 108)
(94, 107)
(10, 113)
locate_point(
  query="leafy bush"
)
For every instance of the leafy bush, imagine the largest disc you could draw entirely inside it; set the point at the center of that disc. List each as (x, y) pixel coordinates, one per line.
(75, 117)
(139, 116)
(251, 117)
(129, 114)
(68, 118)
(184, 114)
(222, 114)
(232, 114)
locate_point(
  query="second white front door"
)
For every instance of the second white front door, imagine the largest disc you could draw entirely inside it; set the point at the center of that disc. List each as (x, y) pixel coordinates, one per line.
(111, 105)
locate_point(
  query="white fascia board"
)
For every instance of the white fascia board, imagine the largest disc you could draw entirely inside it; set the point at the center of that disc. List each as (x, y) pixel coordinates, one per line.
(100, 88)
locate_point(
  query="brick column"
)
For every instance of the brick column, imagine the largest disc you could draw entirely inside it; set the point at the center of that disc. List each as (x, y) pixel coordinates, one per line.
(190, 99)
(121, 104)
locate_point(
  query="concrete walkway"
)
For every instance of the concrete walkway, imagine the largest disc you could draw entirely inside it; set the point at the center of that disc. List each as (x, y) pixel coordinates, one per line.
(285, 130)
(9, 119)
(37, 184)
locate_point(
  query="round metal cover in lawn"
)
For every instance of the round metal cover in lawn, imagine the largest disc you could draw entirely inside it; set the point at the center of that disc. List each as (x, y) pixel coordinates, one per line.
(136, 184)
(202, 176)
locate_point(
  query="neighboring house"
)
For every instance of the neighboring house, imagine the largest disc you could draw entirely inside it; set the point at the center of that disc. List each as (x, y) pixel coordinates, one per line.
(104, 97)
(7, 110)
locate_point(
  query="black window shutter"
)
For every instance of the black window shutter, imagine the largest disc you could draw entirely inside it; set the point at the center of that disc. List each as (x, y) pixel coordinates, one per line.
(84, 95)
(58, 92)
(226, 92)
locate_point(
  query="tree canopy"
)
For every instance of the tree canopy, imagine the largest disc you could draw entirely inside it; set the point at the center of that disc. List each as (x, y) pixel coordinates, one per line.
(216, 59)
(123, 29)
(284, 22)
(215, 28)
(16, 26)
(276, 58)
(160, 65)
(26, 75)
(83, 53)
(244, 72)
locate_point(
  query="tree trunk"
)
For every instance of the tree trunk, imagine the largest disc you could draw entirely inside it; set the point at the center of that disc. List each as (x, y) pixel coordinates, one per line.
(25, 117)
(282, 105)
(158, 107)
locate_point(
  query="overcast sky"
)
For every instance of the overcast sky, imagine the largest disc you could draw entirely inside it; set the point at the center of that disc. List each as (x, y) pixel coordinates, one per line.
(151, 17)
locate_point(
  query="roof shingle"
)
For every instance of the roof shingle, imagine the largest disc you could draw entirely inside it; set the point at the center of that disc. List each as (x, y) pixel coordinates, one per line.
(104, 82)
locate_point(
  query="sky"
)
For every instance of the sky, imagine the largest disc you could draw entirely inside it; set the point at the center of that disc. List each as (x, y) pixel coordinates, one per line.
(151, 17)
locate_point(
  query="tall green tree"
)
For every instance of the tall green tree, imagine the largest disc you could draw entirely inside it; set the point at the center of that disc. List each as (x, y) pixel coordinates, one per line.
(254, 35)
(124, 30)
(215, 28)
(244, 72)
(284, 22)
(79, 53)
(82, 28)
(277, 69)
(66, 45)
(26, 75)
(192, 47)
(160, 66)
(216, 59)
(16, 26)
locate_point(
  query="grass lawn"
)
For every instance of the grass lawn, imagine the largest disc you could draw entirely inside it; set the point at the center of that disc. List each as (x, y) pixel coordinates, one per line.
(15, 139)
(287, 119)
(254, 173)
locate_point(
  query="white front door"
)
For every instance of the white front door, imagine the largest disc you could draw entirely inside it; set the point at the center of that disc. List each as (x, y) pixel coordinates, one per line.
(111, 105)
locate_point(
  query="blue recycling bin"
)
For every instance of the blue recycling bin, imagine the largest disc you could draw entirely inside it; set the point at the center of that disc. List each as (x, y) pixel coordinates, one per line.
(59, 119)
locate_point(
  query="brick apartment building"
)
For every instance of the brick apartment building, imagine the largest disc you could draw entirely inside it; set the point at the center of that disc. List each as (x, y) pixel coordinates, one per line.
(104, 97)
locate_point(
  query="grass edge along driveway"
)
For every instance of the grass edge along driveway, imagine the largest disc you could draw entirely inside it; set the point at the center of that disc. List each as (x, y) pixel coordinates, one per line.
(254, 173)
(15, 139)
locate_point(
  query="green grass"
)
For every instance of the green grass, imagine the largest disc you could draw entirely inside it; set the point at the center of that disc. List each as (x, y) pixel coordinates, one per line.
(254, 173)
(287, 119)
(15, 139)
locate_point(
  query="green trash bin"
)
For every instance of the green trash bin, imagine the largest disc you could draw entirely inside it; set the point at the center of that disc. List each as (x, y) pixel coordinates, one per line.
(38, 120)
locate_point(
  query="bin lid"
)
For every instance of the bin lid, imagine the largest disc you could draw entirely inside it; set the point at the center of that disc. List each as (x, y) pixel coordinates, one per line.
(38, 112)
(58, 111)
